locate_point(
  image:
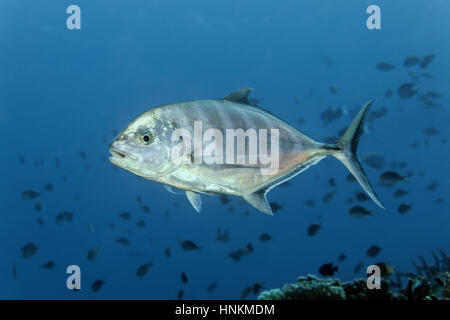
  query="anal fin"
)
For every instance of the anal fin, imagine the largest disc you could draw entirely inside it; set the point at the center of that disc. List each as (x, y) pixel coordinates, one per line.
(259, 201)
(195, 199)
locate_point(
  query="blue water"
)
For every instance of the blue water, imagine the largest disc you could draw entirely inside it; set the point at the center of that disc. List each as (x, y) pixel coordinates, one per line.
(65, 91)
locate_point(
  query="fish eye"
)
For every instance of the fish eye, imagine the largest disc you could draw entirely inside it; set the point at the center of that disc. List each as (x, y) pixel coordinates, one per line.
(146, 138)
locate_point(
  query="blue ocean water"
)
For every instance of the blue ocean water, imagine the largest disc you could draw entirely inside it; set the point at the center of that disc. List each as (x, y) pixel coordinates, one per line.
(69, 91)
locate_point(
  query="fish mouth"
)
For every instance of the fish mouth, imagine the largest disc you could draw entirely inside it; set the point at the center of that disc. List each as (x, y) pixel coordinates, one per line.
(120, 155)
(117, 153)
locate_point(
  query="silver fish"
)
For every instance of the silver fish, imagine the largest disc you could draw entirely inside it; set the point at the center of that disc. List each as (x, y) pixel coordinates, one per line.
(144, 148)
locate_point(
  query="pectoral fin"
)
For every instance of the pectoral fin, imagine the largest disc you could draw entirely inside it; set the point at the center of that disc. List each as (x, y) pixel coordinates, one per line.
(259, 201)
(170, 189)
(195, 199)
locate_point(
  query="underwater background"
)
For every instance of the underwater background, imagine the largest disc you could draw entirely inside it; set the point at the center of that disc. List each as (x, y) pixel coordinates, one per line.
(65, 94)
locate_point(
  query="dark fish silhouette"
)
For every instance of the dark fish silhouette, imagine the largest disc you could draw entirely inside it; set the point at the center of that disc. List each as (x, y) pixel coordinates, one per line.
(97, 285)
(29, 194)
(411, 61)
(143, 269)
(406, 90)
(384, 66)
(328, 269)
(313, 229)
(373, 251)
(29, 250)
(123, 241)
(404, 208)
(426, 61)
(184, 277)
(188, 245)
(48, 265)
(342, 257)
(264, 237)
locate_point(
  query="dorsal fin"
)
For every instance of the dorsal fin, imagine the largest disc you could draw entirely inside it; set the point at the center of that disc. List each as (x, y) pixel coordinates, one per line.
(240, 95)
(259, 201)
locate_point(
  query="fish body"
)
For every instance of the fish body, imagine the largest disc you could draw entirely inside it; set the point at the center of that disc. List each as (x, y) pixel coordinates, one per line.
(146, 148)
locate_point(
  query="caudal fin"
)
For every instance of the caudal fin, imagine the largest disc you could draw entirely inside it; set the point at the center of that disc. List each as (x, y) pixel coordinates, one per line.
(345, 151)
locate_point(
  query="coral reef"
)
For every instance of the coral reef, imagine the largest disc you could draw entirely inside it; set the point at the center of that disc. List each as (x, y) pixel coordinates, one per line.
(432, 282)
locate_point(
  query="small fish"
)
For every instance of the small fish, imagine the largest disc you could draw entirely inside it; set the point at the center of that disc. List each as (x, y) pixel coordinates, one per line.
(223, 236)
(180, 295)
(211, 287)
(167, 253)
(384, 66)
(361, 197)
(22, 158)
(331, 114)
(143, 269)
(256, 288)
(97, 285)
(358, 268)
(83, 155)
(123, 241)
(426, 61)
(264, 237)
(411, 61)
(432, 186)
(125, 216)
(309, 203)
(334, 89)
(373, 251)
(38, 206)
(48, 187)
(350, 178)
(406, 90)
(184, 277)
(144, 148)
(400, 193)
(141, 223)
(359, 212)
(29, 250)
(276, 207)
(236, 255)
(389, 178)
(438, 200)
(14, 271)
(40, 221)
(48, 265)
(145, 209)
(374, 161)
(342, 257)
(431, 131)
(139, 199)
(328, 269)
(93, 254)
(332, 182)
(313, 229)
(188, 245)
(388, 93)
(66, 216)
(29, 194)
(328, 197)
(404, 208)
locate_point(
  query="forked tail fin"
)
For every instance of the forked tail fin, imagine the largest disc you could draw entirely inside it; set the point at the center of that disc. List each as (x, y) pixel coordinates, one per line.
(345, 151)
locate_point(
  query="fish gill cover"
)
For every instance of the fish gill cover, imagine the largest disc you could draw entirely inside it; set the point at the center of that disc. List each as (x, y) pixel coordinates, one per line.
(72, 88)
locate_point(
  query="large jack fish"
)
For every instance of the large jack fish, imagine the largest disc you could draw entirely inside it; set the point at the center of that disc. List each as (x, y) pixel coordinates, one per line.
(145, 148)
